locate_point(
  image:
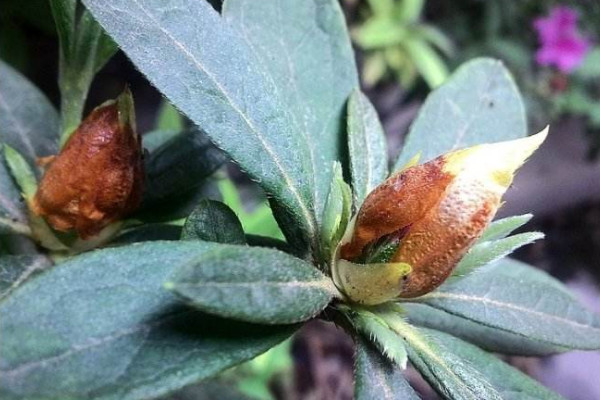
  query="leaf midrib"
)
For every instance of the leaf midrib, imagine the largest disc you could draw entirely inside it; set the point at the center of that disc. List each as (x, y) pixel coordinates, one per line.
(324, 284)
(470, 298)
(292, 188)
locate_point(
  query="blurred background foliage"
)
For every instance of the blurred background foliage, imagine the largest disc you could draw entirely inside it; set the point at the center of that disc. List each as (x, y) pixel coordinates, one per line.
(417, 42)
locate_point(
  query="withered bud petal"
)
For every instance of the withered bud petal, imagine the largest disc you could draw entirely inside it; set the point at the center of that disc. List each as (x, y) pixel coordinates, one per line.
(98, 176)
(440, 208)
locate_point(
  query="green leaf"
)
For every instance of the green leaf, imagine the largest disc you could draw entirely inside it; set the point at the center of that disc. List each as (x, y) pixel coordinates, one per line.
(522, 304)
(101, 326)
(410, 10)
(305, 48)
(380, 32)
(336, 213)
(381, 7)
(16, 269)
(367, 146)
(28, 122)
(213, 221)
(511, 383)
(374, 68)
(24, 176)
(21, 172)
(489, 338)
(451, 376)
(479, 103)
(376, 378)
(64, 12)
(13, 213)
(253, 284)
(209, 72)
(490, 251)
(482, 335)
(377, 331)
(175, 170)
(501, 228)
(436, 37)
(169, 118)
(84, 49)
(427, 61)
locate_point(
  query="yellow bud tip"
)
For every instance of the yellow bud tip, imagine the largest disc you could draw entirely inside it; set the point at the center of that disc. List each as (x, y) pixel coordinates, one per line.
(414, 160)
(498, 161)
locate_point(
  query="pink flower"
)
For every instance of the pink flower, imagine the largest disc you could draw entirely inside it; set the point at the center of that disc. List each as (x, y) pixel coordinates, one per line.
(561, 43)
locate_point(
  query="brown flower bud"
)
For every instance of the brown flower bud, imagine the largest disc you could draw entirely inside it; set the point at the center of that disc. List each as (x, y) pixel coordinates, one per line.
(434, 212)
(97, 178)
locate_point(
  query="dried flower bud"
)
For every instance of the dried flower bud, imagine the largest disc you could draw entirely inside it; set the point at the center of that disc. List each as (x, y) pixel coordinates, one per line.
(436, 211)
(97, 178)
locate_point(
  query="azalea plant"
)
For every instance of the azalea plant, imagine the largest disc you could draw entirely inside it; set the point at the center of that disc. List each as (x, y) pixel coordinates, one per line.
(405, 258)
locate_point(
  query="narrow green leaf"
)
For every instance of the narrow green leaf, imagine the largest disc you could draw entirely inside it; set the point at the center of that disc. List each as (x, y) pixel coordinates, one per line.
(377, 331)
(213, 221)
(367, 146)
(409, 11)
(379, 33)
(177, 168)
(305, 48)
(373, 69)
(427, 61)
(209, 72)
(64, 12)
(511, 383)
(24, 176)
(16, 269)
(101, 326)
(21, 172)
(336, 213)
(84, 49)
(490, 251)
(253, 284)
(381, 7)
(479, 103)
(13, 214)
(522, 304)
(501, 228)
(376, 378)
(451, 376)
(28, 122)
(436, 37)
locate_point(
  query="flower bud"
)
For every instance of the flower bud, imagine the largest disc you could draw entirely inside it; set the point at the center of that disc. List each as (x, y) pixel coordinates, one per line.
(97, 178)
(434, 212)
